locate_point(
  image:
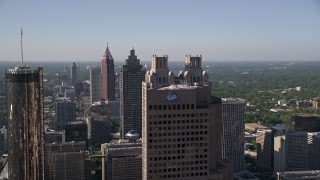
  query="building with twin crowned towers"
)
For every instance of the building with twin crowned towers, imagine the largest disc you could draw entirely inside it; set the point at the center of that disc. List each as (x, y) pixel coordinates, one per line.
(131, 77)
(181, 124)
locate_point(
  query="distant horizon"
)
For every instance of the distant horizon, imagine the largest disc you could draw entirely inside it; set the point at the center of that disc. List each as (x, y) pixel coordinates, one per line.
(204, 61)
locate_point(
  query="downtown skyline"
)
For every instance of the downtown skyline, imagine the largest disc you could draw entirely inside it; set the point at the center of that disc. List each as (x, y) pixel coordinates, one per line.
(218, 30)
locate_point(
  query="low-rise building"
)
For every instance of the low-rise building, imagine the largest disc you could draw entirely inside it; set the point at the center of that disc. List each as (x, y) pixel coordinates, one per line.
(123, 160)
(253, 127)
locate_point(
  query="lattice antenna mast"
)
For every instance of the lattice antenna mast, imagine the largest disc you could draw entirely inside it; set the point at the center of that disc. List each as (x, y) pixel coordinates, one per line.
(21, 47)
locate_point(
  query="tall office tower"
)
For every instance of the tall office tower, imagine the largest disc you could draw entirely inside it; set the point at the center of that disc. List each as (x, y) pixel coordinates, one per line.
(181, 128)
(131, 77)
(123, 160)
(107, 76)
(24, 89)
(74, 73)
(313, 150)
(233, 131)
(65, 112)
(95, 84)
(297, 152)
(264, 141)
(279, 154)
(65, 161)
(279, 148)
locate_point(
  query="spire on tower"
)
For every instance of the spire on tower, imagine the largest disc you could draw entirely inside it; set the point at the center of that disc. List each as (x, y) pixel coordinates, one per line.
(107, 54)
(21, 47)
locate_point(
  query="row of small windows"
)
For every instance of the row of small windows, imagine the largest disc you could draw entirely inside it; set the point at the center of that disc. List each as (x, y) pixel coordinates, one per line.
(178, 128)
(182, 175)
(159, 170)
(173, 134)
(185, 157)
(159, 146)
(171, 107)
(177, 115)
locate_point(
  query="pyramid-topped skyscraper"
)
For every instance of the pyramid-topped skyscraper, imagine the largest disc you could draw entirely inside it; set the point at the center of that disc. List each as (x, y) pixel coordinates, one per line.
(107, 76)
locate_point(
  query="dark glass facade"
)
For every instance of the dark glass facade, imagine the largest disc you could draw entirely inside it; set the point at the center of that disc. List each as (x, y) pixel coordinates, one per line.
(131, 77)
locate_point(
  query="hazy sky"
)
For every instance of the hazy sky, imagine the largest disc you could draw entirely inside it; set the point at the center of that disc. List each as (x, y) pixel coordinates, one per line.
(218, 30)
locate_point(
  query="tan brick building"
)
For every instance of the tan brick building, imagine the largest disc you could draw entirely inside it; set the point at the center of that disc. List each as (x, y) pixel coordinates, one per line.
(181, 124)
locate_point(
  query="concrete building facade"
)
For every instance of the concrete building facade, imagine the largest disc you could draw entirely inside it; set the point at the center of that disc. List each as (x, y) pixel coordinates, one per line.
(131, 77)
(233, 131)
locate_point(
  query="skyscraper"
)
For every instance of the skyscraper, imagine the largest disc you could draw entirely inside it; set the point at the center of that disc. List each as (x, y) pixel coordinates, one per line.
(233, 132)
(107, 76)
(95, 84)
(131, 77)
(181, 125)
(65, 112)
(265, 149)
(24, 89)
(74, 73)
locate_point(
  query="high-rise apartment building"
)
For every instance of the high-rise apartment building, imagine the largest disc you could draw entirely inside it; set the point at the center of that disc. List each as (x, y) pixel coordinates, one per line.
(131, 77)
(233, 131)
(123, 160)
(95, 84)
(24, 89)
(107, 76)
(181, 125)
(74, 73)
(65, 112)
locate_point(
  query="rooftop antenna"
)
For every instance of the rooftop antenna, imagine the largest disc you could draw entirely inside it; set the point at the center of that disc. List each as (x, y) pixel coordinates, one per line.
(21, 47)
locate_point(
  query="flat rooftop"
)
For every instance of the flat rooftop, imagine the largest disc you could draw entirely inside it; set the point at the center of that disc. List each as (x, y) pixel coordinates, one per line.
(232, 100)
(308, 115)
(300, 174)
(256, 125)
(178, 86)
